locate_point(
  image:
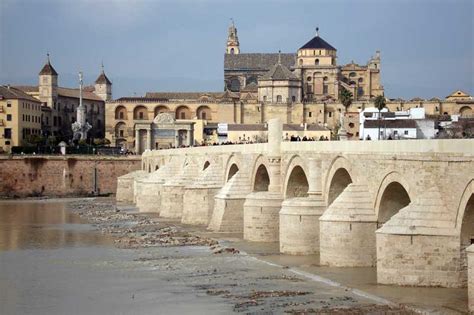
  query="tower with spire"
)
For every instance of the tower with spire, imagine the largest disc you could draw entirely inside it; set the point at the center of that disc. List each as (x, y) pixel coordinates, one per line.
(48, 83)
(103, 86)
(232, 40)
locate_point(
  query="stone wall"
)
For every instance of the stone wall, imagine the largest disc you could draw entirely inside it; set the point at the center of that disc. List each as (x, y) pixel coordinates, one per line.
(470, 282)
(62, 175)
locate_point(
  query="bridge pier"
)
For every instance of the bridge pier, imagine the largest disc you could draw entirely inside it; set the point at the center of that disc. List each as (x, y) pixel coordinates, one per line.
(149, 188)
(172, 191)
(419, 247)
(228, 214)
(299, 217)
(125, 186)
(261, 216)
(198, 198)
(348, 226)
(299, 225)
(470, 282)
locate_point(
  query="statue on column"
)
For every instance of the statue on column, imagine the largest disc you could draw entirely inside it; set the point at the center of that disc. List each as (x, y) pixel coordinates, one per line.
(80, 127)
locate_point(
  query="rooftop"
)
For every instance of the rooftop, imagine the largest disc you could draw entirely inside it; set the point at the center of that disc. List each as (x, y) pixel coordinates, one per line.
(9, 92)
(257, 61)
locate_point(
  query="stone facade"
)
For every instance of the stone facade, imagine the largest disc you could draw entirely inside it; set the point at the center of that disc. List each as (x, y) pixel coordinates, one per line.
(470, 251)
(62, 176)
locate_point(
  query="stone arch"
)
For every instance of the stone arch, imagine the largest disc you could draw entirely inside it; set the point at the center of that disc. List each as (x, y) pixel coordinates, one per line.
(337, 179)
(392, 195)
(140, 112)
(297, 185)
(120, 130)
(465, 111)
(204, 112)
(261, 180)
(183, 112)
(231, 160)
(120, 112)
(294, 161)
(465, 227)
(160, 109)
(232, 171)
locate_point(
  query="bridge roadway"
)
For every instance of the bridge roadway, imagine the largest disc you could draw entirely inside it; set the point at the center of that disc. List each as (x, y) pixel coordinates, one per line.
(406, 207)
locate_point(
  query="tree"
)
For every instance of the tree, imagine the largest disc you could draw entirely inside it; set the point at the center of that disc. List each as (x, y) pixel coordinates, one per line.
(379, 104)
(346, 98)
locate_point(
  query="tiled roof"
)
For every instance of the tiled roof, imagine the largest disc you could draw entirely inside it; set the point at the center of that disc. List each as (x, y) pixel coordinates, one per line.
(255, 61)
(396, 123)
(102, 79)
(15, 93)
(317, 43)
(48, 70)
(299, 127)
(279, 72)
(27, 88)
(246, 127)
(181, 95)
(252, 87)
(74, 93)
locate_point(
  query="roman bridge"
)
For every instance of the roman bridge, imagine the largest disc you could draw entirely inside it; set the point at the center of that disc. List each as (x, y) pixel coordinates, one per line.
(406, 207)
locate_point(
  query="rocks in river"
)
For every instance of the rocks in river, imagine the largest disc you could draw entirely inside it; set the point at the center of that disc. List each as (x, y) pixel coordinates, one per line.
(133, 230)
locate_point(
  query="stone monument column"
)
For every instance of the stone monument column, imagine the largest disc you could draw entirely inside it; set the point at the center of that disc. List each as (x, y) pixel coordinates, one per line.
(275, 131)
(148, 139)
(137, 140)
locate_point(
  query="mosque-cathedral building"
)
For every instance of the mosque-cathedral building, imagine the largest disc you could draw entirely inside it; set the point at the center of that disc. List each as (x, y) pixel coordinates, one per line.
(301, 89)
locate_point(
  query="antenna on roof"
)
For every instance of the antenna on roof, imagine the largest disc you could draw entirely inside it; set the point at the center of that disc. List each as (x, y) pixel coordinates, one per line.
(232, 20)
(279, 57)
(102, 66)
(47, 57)
(317, 31)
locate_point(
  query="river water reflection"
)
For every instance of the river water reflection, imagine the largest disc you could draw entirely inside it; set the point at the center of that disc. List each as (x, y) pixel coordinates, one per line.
(43, 225)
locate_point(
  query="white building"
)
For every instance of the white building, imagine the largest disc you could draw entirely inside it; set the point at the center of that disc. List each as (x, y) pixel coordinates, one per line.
(410, 124)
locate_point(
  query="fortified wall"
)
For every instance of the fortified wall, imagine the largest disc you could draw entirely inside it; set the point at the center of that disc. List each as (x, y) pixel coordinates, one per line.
(404, 207)
(62, 175)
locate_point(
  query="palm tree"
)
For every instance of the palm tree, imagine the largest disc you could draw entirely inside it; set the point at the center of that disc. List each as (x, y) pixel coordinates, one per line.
(345, 96)
(379, 104)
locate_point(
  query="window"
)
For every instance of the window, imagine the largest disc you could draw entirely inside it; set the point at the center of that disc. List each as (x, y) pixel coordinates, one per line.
(293, 98)
(360, 80)
(140, 115)
(232, 51)
(395, 132)
(8, 133)
(55, 121)
(7, 142)
(9, 117)
(316, 62)
(279, 98)
(203, 116)
(405, 132)
(121, 115)
(9, 104)
(121, 133)
(264, 98)
(325, 89)
(183, 115)
(351, 125)
(330, 114)
(310, 114)
(300, 62)
(308, 79)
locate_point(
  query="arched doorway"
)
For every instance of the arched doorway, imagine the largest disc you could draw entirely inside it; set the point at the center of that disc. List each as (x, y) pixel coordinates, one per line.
(262, 179)
(232, 171)
(297, 183)
(467, 236)
(339, 182)
(394, 198)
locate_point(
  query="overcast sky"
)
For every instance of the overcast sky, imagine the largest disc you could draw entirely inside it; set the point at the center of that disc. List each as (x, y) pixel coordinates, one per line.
(426, 45)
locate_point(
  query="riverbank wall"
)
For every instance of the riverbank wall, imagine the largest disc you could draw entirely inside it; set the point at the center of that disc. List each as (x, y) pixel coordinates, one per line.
(61, 176)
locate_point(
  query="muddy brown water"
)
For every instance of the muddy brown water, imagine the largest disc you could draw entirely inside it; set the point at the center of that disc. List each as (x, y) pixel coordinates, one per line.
(53, 262)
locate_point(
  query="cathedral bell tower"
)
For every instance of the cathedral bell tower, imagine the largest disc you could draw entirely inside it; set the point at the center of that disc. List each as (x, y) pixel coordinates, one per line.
(232, 41)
